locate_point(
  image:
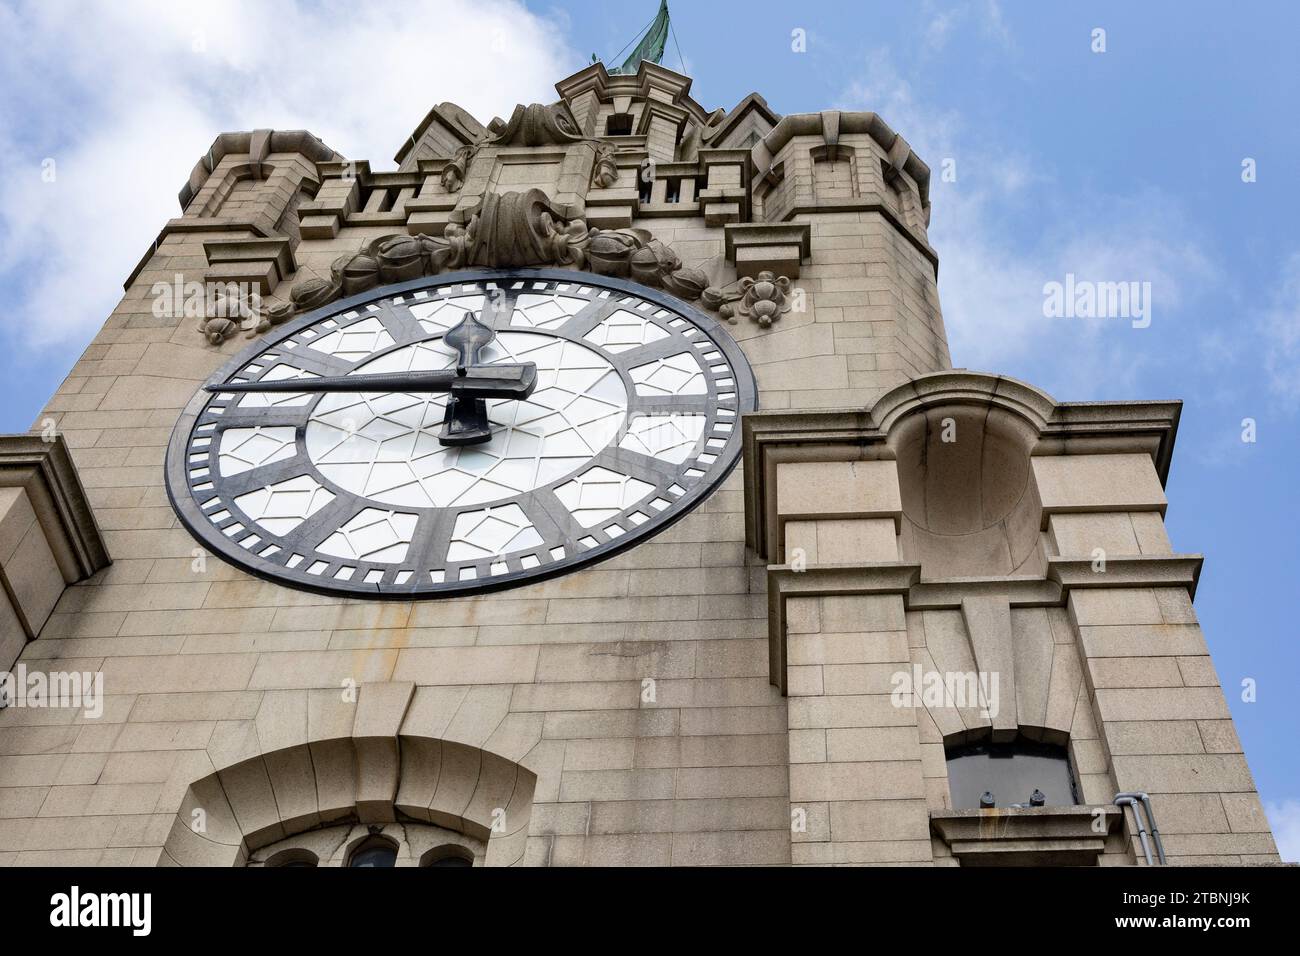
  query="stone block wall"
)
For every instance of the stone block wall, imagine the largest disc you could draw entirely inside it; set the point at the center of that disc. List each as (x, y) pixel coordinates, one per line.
(631, 710)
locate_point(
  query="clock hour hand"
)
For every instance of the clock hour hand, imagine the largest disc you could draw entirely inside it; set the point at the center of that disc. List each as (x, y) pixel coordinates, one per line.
(480, 381)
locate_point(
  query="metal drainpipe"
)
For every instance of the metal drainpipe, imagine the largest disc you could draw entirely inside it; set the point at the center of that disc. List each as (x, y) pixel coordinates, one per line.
(1155, 831)
(1145, 798)
(1127, 800)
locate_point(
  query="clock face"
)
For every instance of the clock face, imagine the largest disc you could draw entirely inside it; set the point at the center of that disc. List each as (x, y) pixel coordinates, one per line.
(611, 410)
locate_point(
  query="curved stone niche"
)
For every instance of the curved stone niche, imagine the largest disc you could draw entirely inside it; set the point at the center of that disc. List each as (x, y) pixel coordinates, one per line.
(970, 507)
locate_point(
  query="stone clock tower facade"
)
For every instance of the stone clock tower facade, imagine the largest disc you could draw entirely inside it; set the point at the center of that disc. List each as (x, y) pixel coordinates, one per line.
(675, 537)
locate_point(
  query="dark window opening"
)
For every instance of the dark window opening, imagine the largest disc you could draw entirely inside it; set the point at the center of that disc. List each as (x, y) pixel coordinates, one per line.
(296, 858)
(892, 179)
(1021, 772)
(447, 856)
(619, 124)
(673, 190)
(645, 182)
(376, 852)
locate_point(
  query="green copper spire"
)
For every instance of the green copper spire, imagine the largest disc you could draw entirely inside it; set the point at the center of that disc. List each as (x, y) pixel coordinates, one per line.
(651, 46)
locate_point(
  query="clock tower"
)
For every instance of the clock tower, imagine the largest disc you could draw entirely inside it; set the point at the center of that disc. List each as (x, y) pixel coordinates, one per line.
(593, 487)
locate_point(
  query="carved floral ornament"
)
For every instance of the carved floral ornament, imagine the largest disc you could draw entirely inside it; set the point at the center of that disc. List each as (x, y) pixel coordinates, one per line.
(511, 230)
(763, 299)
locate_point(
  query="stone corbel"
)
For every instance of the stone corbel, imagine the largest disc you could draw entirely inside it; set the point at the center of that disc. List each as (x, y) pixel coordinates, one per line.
(254, 262)
(48, 535)
(779, 248)
(897, 158)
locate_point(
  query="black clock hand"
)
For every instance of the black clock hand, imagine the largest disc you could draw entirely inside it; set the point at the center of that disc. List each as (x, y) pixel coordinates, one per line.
(466, 418)
(480, 381)
(468, 337)
(467, 387)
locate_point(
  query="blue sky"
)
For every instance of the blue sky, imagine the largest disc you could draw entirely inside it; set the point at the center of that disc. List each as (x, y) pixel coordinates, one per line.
(1117, 166)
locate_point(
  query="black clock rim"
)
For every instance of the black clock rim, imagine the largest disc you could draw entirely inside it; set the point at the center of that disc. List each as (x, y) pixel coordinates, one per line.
(220, 545)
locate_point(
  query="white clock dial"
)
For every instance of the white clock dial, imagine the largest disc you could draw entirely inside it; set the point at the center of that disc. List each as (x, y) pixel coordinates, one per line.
(632, 418)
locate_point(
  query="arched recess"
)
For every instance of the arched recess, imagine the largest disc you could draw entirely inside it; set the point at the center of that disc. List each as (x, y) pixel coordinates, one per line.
(355, 762)
(835, 171)
(963, 443)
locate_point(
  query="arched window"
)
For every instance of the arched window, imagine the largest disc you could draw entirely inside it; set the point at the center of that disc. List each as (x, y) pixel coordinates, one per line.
(374, 851)
(1018, 773)
(447, 856)
(294, 857)
(406, 843)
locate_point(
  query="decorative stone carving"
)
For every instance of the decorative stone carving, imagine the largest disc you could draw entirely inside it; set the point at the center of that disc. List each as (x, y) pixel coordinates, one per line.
(228, 314)
(453, 174)
(604, 172)
(532, 125)
(763, 299)
(508, 230)
(522, 229)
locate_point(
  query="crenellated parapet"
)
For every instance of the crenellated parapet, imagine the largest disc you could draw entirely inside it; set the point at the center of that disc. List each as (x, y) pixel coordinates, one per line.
(634, 176)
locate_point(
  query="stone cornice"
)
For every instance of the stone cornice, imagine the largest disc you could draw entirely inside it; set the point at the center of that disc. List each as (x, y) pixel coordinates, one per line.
(1135, 571)
(674, 114)
(1026, 835)
(863, 205)
(1076, 428)
(753, 103)
(784, 582)
(258, 144)
(1109, 427)
(772, 437)
(594, 78)
(1020, 591)
(211, 224)
(45, 471)
(830, 125)
(451, 118)
(649, 76)
(904, 579)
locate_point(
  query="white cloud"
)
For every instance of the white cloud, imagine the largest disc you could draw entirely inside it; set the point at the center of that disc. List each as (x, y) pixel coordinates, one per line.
(1000, 237)
(1281, 333)
(985, 14)
(126, 97)
(1284, 817)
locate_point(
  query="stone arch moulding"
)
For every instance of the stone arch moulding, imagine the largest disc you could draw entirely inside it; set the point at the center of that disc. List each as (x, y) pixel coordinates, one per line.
(319, 760)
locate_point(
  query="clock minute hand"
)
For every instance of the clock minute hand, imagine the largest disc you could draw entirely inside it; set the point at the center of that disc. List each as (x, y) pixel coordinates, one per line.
(466, 419)
(480, 381)
(468, 337)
